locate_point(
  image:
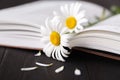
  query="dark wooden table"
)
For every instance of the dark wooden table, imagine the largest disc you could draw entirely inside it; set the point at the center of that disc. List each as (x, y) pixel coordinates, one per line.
(92, 67)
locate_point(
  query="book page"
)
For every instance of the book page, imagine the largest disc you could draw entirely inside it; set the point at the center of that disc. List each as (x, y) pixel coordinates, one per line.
(34, 14)
(37, 12)
(111, 24)
(102, 36)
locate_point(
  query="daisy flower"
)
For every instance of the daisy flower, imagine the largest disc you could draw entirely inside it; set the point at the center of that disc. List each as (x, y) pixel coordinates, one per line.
(71, 16)
(55, 40)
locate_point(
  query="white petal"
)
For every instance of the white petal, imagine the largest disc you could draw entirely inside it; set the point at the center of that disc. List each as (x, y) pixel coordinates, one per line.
(56, 53)
(48, 50)
(38, 54)
(68, 36)
(64, 38)
(43, 30)
(77, 8)
(71, 8)
(47, 25)
(57, 25)
(80, 27)
(63, 53)
(60, 27)
(62, 10)
(28, 69)
(82, 20)
(45, 39)
(78, 30)
(80, 15)
(45, 65)
(66, 9)
(64, 44)
(60, 58)
(58, 70)
(77, 72)
(74, 9)
(53, 53)
(54, 19)
(64, 30)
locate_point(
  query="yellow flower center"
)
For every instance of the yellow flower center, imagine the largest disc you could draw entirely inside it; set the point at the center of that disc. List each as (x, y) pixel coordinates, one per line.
(55, 38)
(71, 22)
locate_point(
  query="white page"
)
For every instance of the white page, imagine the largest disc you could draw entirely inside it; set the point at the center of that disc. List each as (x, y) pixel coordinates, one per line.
(111, 24)
(35, 14)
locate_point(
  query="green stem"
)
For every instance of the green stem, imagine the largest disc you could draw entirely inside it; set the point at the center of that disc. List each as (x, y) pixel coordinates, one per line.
(114, 10)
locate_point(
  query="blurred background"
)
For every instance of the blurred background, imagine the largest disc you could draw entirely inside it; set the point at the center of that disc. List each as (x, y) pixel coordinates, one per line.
(9, 3)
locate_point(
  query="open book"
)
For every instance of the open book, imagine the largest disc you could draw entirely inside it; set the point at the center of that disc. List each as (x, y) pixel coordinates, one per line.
(20, 27)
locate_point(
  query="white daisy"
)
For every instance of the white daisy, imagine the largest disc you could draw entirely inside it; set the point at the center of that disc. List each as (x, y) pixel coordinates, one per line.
(55, 40)
(71, 16)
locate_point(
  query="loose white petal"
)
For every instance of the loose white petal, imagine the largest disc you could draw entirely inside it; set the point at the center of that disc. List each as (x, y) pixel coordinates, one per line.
(45, 65)
(58, 70)
(38, 54)
(77, 72)
(28, 69)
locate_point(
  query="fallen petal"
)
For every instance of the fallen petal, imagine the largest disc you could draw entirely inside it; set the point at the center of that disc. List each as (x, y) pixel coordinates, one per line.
(28, 69)
(58, 70)
(45, 65)
(38, 54)
(77, 72)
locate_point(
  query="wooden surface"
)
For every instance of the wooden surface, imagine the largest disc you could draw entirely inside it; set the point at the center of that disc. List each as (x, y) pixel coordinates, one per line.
(92, 67)
(99, 53)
